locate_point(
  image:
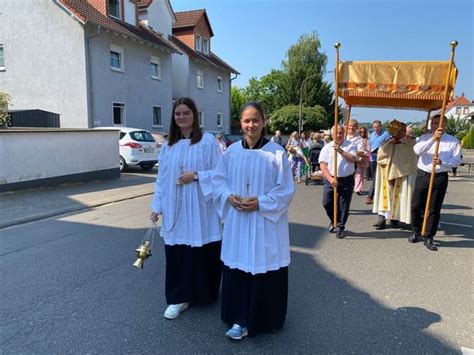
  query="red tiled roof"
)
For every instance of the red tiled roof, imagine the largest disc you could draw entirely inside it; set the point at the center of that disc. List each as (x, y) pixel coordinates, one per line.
(185, 19)
(458, 101)
(144, 3)
(88, 14)
(210, 59)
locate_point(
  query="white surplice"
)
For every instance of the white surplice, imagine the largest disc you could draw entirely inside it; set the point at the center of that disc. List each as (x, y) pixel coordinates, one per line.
(255, 242)
(188, 213)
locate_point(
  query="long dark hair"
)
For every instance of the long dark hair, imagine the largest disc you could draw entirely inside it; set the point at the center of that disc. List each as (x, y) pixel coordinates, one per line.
(175, 132)
(256, 105)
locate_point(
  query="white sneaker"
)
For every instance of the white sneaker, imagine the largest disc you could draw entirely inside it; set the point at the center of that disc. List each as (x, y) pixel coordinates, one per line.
(174, 310)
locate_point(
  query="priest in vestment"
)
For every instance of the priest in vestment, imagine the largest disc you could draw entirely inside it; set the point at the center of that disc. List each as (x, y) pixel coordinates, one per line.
(253, 188)
(396, 167)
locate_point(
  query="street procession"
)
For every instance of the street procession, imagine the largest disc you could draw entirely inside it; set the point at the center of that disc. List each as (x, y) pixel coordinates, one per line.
(313, 197)
(250, 186)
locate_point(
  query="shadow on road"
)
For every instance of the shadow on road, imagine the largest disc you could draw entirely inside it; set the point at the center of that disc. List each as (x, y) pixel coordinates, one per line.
(80, 293)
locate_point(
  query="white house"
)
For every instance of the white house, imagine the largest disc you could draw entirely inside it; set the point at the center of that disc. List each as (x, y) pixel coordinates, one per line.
(200, 73)
(105, 62)
(459, 107)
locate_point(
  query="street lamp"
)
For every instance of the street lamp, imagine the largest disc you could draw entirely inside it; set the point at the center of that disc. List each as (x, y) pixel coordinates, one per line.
(300, 121)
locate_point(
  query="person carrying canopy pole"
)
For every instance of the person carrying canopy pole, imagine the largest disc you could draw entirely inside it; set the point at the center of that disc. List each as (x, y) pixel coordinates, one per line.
(449, 156)
(344, 182)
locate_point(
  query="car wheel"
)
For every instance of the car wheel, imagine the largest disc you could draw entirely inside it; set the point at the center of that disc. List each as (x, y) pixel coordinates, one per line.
(123, 165)
(147, 166)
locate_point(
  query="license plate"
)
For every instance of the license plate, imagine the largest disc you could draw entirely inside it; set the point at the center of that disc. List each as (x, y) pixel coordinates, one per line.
(149, 150)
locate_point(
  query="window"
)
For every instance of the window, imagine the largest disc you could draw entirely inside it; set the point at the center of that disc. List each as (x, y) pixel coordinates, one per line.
(458, 110)
(465, 110)
(114, 9)
(142, 136)
(219, 119)
(200, 79)
(205, 45)
(219, 84)
(2, 58)
(201, 118)
(157, 116)
(155, 68)
(118, 113)
(198, 43)
(116, 58)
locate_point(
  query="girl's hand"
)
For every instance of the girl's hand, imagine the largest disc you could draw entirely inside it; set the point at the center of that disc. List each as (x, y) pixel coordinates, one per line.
(235, 201)
(186, 178)
(250, 204)
(154, 217)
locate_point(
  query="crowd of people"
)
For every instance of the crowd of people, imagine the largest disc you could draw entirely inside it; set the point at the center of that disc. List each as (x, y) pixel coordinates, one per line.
(224, 210)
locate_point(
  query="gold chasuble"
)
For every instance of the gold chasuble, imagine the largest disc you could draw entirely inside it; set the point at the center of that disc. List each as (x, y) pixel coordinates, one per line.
(396, 171)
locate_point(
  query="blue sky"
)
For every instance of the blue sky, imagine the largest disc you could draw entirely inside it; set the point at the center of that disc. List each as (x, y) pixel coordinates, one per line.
(254, 35)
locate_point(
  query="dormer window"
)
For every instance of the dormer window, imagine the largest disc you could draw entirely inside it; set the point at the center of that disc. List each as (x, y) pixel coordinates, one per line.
(198, 43)
(114, 9)
(205, 45)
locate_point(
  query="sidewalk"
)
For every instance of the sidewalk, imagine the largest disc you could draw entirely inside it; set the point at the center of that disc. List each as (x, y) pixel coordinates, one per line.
(31, 205)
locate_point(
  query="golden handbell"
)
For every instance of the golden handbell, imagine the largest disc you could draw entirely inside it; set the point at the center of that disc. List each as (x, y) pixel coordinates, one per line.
(143, 252)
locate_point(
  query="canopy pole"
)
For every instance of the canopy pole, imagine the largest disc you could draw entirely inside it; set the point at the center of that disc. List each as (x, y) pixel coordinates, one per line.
(336, 122)
(453, 45)
(347, 121)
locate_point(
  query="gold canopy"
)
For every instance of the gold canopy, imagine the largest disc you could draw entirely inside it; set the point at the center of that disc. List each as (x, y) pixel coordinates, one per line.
(405, 85)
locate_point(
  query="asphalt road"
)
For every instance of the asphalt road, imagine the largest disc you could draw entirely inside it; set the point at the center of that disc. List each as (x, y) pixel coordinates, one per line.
(68, 286)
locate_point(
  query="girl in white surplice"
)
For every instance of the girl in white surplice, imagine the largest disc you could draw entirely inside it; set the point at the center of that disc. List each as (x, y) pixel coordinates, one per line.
(190, 227)
(253, 187)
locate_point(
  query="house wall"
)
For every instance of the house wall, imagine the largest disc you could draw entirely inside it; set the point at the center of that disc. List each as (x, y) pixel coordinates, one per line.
(209, 99)
(159, 17)
(45, 65)
(180, 75)
(452, 111)
(134, 86)
(187, 37)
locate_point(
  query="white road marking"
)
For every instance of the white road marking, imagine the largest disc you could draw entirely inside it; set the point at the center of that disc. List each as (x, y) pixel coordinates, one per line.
(456, 224)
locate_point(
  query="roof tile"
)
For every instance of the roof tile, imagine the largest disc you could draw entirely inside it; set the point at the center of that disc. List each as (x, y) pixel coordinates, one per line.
(88, 14)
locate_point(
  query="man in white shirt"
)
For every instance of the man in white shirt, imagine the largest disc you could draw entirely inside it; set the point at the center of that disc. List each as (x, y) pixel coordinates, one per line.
(449, 156)
(345, 178)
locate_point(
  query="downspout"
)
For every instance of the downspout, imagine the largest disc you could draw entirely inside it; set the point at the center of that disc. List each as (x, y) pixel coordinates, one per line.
(90, 91)
(230, 101)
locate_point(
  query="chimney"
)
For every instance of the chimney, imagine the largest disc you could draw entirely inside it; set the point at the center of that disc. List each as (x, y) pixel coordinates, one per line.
(99, 5)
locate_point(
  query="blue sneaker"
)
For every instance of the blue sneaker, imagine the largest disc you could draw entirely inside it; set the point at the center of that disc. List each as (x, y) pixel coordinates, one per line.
(236, 332)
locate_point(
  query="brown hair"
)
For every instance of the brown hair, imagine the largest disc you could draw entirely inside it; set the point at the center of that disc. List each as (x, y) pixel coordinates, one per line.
(175, 132)
(256, 105)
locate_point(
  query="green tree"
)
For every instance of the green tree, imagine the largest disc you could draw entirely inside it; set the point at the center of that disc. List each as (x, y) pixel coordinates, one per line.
(4, 116)
(457, 127)
(468, 140)
(266, 90)
(237, 101)
(286, 118)
(282, 87)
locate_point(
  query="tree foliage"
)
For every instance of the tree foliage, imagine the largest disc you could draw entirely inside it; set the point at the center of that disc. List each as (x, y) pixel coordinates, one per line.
(457, 127)
(468, 140)
(4, 116)
(286, 119)
(237, 101)
(303, 63)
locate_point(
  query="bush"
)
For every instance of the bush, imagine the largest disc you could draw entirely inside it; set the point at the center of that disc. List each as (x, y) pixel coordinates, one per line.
(286, 119)
(468, 140)
(4, 116)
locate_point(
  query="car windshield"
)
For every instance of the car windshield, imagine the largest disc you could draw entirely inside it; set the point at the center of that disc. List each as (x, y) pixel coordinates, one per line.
(142, 136)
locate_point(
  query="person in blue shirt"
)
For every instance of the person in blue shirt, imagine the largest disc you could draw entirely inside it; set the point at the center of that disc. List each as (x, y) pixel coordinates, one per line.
(376, 139)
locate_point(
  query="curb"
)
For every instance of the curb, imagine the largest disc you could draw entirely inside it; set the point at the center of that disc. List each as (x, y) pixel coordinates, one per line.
(65, 211)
